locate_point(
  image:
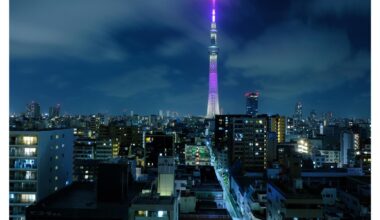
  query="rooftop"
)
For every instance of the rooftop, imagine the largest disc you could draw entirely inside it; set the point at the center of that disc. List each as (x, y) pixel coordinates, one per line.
(153, 200)
(287, 191)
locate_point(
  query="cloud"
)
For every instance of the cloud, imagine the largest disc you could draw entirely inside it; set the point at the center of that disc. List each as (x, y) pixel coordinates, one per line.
(172, 47)
(57, 81)
(340, 7)
(138, 82)
(81, 29)
(292, 59)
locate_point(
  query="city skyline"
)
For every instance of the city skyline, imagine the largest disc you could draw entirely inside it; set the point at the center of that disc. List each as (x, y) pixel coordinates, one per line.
(191, 109)
(122, 60)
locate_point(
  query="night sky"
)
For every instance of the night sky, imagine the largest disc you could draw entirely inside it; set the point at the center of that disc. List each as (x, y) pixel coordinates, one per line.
(121, 55)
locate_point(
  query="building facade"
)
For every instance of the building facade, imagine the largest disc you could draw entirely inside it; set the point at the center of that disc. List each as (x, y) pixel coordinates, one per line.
(40, 163)
(252, 103)
(244, 138)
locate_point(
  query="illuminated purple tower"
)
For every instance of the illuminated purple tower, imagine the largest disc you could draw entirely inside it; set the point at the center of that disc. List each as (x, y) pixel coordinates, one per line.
(213, 97)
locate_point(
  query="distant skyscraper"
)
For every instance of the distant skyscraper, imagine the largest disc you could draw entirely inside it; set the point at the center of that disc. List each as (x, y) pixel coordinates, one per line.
(298, 112)
(33, 110)
(54, 111)
(252, 103)
(213, 97)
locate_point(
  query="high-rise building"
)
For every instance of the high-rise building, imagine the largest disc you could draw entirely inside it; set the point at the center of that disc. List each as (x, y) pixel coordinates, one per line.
(277, 124)
(33, 110)
(40, 162)
(54, 111)
(242, 138)
(252, 103)
(155, 145)
(88, 153)
(348, 143)
(298, 111)
(213, 97)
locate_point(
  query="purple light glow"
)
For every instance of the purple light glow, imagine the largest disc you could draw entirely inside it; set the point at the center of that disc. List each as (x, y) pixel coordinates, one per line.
(213, 97)
(213, 11)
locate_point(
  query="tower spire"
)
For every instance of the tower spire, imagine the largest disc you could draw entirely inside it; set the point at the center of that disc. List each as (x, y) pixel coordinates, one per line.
(213, 97)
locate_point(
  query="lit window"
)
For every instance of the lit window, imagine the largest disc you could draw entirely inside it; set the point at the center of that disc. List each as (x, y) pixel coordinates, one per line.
(28, 197)
(29, 140)
(29, 151)
(28, 175)
(161, 214)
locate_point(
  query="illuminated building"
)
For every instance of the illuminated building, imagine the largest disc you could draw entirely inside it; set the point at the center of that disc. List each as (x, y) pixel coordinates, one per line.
(125, 139)
(348, 143)
(197, 155)
(252, 103)
(33, 110)
(156, 145)
(303, 146)
(40, 162)
(166, 169)
(243, 138)
(213, 97)
(298, 112)
(154, 207)
(277, 124)
(88, 153)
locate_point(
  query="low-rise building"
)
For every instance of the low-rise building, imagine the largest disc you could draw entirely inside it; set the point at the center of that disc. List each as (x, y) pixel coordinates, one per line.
(284, 202)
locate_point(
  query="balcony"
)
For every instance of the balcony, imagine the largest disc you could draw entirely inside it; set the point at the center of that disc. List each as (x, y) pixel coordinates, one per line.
(22, 199)
(24, 152)
(22, 187)
(23, 175)
(23, 140)
(22, 164)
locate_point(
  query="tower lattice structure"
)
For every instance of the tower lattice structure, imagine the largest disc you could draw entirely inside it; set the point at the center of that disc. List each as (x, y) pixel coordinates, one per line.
(213, 97)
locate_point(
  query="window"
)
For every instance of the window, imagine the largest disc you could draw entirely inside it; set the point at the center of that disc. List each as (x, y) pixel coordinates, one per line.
(28, 197)
(28, 175)
(29, 140)
(30, 151)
